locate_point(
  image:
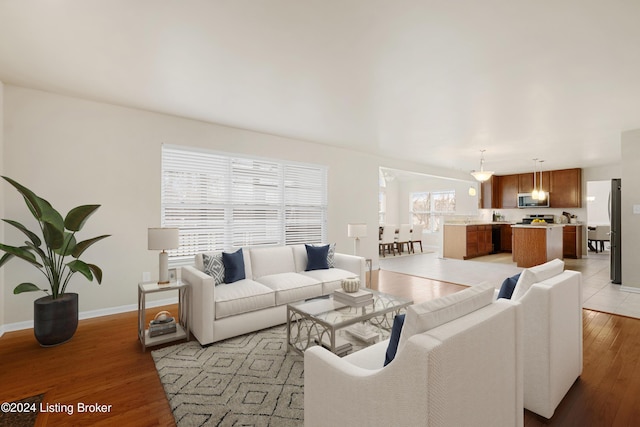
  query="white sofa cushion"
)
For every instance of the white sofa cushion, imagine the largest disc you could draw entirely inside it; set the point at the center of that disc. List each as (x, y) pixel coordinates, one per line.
(291, 287)
(241, 297)
(430, 314)
(536, 274)
(331, 278)
(272, 260)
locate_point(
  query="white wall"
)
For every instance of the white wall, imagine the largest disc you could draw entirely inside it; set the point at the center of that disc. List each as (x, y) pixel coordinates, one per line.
(630, 197)
(72, 151)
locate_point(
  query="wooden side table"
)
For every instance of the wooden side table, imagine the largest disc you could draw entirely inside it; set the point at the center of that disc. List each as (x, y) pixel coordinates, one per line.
(182, 325)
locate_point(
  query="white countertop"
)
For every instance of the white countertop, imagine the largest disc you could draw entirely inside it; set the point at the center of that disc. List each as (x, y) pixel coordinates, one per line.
(481, 223)
(539, 226)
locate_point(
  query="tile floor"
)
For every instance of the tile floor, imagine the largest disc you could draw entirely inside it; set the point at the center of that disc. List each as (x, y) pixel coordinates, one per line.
(598, 292)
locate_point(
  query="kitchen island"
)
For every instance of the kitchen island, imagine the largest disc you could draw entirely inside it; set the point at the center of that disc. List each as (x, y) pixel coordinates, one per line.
(536, 244)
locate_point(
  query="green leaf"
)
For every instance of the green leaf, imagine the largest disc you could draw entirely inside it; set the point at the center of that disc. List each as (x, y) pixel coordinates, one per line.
(97, 272)
(51, 216)
(82, 246)
(78, 216)
(22, 253)
(43, 256)
(78, 266)
(39, 207)
(68, 246)
(53, 236)
(30, 197)
(31, 235)
(5, 258)
(26, 287)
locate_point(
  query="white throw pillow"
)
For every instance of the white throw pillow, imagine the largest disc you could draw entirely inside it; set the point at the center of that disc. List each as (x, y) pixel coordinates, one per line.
(536, 274)
(430, 314)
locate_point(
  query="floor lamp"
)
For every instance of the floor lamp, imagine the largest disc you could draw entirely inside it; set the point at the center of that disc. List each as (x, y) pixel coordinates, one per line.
(356, 231)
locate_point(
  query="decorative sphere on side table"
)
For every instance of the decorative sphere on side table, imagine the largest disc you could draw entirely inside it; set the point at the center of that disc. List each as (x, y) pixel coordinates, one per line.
(351, 284)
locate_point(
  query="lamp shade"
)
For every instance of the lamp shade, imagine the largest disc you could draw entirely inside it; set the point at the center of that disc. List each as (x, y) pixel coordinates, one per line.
(357, 230)
(163, 238)
(482, 175)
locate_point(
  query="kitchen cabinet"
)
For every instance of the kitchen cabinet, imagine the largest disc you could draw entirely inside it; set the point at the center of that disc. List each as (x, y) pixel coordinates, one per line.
(572, 241)
(535, 245)
(525, 182)
(506, 235)
(472, 242)
(485, 240)
(462, 241)
(565, 189)
(489, 193)
(509, 191)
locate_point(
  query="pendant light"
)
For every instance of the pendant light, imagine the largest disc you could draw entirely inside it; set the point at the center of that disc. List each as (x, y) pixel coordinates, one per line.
(541, 194)
(482, 175)
(534, 192)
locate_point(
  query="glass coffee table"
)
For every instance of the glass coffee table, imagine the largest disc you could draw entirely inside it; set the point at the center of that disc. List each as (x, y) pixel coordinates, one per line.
(317, 321)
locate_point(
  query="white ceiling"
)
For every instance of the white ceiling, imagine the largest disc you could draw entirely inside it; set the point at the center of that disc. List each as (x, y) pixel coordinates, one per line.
(433, 81)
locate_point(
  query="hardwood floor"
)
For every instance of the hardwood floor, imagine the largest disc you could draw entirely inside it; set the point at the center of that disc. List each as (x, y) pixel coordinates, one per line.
(104, 364)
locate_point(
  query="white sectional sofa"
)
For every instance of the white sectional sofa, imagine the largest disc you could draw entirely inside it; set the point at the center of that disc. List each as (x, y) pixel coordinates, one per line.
(466, 369)
(275, 276)
(461, 370)
(551, 299)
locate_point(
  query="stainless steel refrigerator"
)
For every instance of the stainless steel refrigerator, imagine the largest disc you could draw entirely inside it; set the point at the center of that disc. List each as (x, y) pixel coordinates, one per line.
(616, 235)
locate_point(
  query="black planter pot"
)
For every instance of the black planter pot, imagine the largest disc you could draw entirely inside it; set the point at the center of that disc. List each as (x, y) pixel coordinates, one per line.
(55, 320)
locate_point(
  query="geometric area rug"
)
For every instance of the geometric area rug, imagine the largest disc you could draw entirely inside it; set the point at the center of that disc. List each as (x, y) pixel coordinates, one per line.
(250, 380)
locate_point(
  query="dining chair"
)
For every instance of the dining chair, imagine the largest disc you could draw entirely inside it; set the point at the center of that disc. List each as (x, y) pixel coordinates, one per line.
(404, 238)
(416, 236)
(387, 244)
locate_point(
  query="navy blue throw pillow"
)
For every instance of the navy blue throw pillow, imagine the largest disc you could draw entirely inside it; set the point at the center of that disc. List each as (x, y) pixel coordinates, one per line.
(509, 284)
(392, 349)
(233, 266)
(317, 257)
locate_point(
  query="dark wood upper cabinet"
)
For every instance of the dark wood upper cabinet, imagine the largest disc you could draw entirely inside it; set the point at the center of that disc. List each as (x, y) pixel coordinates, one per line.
(489, 193)
(509, 191)
(565, 190)
(525, 182)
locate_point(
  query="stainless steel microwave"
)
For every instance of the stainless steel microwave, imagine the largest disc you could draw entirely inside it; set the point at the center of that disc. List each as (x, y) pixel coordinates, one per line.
(526, 201)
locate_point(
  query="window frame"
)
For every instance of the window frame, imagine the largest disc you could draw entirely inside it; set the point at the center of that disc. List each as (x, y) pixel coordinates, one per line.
(223, 201)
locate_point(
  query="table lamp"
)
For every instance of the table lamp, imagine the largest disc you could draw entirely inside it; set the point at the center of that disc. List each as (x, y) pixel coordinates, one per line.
(357, 231)
(163, 239)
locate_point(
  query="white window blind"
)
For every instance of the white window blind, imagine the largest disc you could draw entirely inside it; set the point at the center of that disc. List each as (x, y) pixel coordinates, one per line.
(222, 202)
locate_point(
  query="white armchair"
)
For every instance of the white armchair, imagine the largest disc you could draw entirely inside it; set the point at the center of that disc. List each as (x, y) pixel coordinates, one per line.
(467, 372)
(552, 312)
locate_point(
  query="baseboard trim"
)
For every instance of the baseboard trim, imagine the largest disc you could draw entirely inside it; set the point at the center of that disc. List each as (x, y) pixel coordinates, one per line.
(630, 289)
(28, 324)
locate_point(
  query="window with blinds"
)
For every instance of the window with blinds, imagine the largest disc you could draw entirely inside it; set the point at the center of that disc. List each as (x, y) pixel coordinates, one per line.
(222, 202)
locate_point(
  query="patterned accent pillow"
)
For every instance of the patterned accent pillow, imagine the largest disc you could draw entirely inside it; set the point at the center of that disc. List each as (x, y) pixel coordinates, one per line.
(214, 267)
(331, 255)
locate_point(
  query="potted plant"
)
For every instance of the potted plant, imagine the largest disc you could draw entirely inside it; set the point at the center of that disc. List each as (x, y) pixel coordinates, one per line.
(57, 256)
